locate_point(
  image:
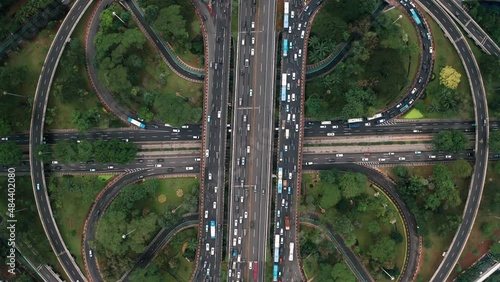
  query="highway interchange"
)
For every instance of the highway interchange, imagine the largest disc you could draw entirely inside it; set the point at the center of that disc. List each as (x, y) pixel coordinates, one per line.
(214, 128)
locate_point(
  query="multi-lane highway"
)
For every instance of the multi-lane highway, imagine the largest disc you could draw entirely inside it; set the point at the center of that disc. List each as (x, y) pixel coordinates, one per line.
(36, 138)
(213, 161)
(251, 144)
(481, 142)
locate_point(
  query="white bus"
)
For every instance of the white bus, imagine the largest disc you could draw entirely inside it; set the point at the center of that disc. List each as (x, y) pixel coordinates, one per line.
(283, 79)
(292, 246)
(352, 120)
(375, 116)
(277, 241)
(326, 122)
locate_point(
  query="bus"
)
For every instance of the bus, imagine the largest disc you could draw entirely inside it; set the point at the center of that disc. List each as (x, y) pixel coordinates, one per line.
(280, 186)
(255, 270)
(326, 122)
(136, 122)
(287, 133)
(276, 255)
(280, 173)
(290, 257)
(285, 21)
(415, 16)
(287, 222)
(276, 241)
(352, 120)
(283, 93)
(275, 272)
(212, 229)
(283, 79)
(285, 47)
(375, 116)
(287, 8)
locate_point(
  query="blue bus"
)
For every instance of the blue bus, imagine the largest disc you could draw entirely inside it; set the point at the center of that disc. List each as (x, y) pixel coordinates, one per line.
(283, 93)
(285, 21)
(280, 186)
(354, 125)
(212, 229)
(275, 272)
(136, 122)
(415, 16)
(285, 47)
(276, 255)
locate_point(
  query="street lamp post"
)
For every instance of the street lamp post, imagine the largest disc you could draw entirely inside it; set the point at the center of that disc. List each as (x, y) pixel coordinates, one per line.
(124, 236)
(400, 16)
(12, 94)
(114, 14)
(392, 277)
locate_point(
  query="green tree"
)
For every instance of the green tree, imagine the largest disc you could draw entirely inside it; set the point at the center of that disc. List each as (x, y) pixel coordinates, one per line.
(449, 77)
(342, 225)
(173, 262)
(495, 141)
(10, 154)
(384, 250)
(495, 250)
(43, 152)
(331, 196)
(352, 184)
(461, 168)
(450, 141)
(5, 127)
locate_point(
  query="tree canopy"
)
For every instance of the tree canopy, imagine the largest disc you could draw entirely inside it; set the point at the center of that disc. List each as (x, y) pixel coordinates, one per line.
(449, 77)
(450, 141)
(10, 154)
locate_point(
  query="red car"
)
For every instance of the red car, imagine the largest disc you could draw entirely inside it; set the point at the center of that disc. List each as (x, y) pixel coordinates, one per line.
(367, 154)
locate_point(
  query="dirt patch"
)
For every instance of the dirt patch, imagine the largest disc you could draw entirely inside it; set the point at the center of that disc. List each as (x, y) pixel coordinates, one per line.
(470, 258)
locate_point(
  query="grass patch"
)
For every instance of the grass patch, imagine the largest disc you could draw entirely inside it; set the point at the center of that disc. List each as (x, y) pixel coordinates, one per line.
(30, 235)
(30, 55)
(445, 55)
(414, 113)
(71, 205)
(169, 188)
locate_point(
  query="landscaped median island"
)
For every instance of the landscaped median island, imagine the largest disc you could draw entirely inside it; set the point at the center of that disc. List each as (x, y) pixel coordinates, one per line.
(435, 195)
(359, 212)
(378, 71)
(140, 211)
(139, 80)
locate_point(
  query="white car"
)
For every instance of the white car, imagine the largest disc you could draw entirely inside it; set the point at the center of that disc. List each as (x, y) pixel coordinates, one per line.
(381, 160)
(157, 165)
(234, 242)
(448, 156)
(189, 168)
(207, 247)
(5, 138)
(402, 158)
(335, 126)
(339, 155)
(207, 153)
(185, 126)
(253, 40)
(246, 214)
(209, 176)
(212, 251)
(215, 205)
(432, 157)
(251, 52)
(206, 214)
(330, 134)
(239, 240)
(364, 159)
(110, 167)
(176, 130)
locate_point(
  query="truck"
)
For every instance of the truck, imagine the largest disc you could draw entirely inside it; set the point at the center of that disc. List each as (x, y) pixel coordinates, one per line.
(285, 182)
(287, 133)
(326, 122)
(287, 222)
(212, 229)
(255, 270)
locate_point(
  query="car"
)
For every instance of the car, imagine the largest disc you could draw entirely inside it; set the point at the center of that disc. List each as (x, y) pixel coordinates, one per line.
(197, 159)
(300, 52)
(322, 126)
(368, 124)
(253, 24)
(402, 158)
(288, 86)
(448, 156)
(209, 176)
(292, 14)
(242, 160)
(215, 205)
(293, 117)
(331, 160)
(339, 155)
(55, 162)
(420, 79)
(218, 114)
(414, 90)
(185, 126)
(239, 240)
(418, 152)
(206, 228)
(212, 251)
(175, 130)
(293, 78)
(248, 127)
(246, 63)
(277, 224)
(246, 214)
(110, 167)
(248, 149)
(170, 169)
(5, 138)
(364, 159)
(330, 134)
(309, 163)
(92, 169)
(282, 202)
(234, 242)
(236, 229)
(189, 168)
(432, 156)
(242, 198)
(297, 127)
(391, 153)
(429, 35)
(299, 26)
(286, 148)
(158, 165)
(398, 105)
(416, 131)
(90, 253)
(381, 160)
(430, 49)
(367, 154)
(38, 186)
(238, 275)
(207, 247)
(206, 214)
(58, 168)
(290, 175)
(302, 34)
(253, 40)
(196, 137)
(281, 231)
(207, 153)
(278, 213)
(411, 101)
(251, 92)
